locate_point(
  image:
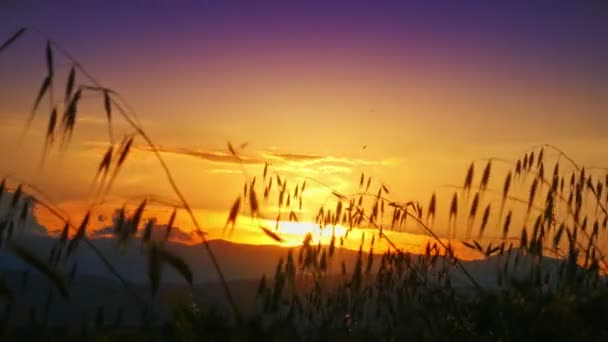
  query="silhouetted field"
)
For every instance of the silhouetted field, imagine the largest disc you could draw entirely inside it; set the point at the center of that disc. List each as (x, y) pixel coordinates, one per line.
(541, 278)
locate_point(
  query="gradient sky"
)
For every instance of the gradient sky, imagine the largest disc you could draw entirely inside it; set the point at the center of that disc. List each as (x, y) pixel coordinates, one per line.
(427, 88)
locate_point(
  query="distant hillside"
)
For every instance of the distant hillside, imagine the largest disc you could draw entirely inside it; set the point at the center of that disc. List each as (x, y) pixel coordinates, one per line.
(238, 261)
(243, 265)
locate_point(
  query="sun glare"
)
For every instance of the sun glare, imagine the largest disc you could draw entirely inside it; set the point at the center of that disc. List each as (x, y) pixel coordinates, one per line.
(294, 233)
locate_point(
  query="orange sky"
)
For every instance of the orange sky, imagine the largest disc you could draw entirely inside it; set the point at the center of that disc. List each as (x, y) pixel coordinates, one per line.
(424, 103)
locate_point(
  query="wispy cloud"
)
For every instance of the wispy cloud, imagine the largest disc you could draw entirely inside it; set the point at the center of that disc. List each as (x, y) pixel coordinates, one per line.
(308, 163)
(318, 158)
(278, 159)
(211, 156)
(294, 156)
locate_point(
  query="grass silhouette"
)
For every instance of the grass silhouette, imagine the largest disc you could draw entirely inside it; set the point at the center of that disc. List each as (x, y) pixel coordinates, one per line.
(547, 278)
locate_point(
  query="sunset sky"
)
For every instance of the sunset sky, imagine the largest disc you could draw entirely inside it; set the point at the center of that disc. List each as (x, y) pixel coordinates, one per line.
(406, 92)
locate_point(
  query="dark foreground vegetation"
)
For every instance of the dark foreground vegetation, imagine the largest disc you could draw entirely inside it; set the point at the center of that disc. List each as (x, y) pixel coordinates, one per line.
(546, 284)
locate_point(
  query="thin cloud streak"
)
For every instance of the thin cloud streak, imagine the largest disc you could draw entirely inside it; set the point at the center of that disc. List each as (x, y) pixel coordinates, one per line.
(316, 158)
(287, 158)
(211, 156)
